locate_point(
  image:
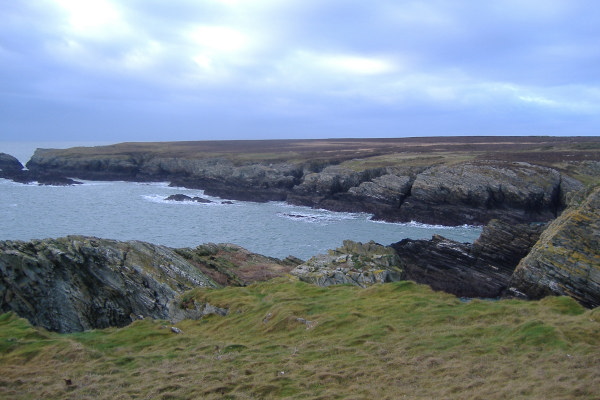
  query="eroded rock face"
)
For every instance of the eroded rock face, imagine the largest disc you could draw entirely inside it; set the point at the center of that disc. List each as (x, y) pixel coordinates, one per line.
(78, 283)
(456, 194)
(476, 193)
(354, 263)
(481, 269)
(566, 259)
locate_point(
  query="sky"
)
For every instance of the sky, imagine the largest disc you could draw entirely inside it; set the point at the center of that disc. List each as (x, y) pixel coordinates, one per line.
(154, 70)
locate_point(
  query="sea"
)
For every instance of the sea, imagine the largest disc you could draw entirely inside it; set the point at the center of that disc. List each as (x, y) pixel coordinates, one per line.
(140, 211)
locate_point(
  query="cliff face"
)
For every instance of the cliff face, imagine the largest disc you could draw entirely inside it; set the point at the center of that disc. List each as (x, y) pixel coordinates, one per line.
(78, 283)
(455, 194)
(481, 269)
(566, 259)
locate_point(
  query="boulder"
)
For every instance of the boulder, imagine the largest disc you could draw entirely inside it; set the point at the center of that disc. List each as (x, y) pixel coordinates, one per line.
(183, 197)
(566, 259)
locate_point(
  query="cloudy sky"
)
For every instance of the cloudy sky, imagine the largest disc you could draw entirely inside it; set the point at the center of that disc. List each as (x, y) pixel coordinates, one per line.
(224, 69)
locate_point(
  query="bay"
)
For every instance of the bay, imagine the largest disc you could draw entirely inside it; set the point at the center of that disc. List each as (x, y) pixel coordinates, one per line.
(139, 211)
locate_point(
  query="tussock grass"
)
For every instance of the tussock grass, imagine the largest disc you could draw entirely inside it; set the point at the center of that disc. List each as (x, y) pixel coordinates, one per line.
(288, 339)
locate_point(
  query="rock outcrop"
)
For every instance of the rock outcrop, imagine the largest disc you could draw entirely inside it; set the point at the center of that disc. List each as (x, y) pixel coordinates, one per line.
(566, 259)
(78, 283)
(11, 168)
(354, 263)
(9, 163)
(481, 269)
(475, 193)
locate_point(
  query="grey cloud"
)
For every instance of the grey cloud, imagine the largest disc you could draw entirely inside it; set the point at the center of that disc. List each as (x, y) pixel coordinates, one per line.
(462, 67)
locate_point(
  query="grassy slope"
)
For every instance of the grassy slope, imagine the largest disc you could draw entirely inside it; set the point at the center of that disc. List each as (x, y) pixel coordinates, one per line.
(398, 340)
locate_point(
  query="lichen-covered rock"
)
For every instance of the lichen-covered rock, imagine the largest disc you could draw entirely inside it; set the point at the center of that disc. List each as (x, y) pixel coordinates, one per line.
(354, 263)
(78, 283)
(566, 259)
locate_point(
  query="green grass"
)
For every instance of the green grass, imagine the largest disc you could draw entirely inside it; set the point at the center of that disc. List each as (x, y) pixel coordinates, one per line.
(288, 339)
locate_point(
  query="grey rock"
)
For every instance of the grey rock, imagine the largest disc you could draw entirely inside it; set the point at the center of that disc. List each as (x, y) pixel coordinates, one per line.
(475, 193)
(183, 197)
(566, 259)
(79, 283)
(354, 263)
(9, 163)
(481, 269)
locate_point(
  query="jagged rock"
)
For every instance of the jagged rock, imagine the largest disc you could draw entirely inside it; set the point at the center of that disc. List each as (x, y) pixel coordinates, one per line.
(566, 259)
(183, 197)
(78, 283)
(9, 163)
(390, 189)
(332, 179)
(481, 269)
(354, 263)
(475, 193)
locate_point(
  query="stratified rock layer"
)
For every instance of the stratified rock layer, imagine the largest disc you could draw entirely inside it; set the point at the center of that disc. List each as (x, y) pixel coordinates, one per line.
(481, 269)
(78, 283)
(566, 259)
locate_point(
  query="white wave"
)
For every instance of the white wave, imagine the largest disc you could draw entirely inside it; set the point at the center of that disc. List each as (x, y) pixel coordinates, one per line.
(318, 217)
(421, 225)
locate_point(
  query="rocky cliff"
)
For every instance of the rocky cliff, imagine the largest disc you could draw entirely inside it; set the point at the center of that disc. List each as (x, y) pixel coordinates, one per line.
(78, 283)
(566, 259)
(463, 189)
(481, 269)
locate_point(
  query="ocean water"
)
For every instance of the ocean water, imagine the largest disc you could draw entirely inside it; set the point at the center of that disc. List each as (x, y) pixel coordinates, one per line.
(139, 211)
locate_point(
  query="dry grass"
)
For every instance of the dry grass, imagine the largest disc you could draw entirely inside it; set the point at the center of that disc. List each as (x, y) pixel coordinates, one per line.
(390, 341)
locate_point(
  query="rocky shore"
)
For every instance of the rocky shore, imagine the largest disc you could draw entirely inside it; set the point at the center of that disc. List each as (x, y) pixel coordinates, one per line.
(541, 235)
(451, 181)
